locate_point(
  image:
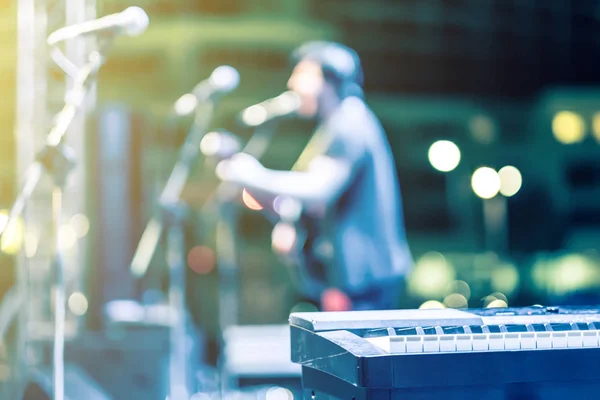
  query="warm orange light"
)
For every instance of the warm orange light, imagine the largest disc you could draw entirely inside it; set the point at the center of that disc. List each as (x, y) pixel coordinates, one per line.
(283, 238)
(250, 201)
(201, 259)
(335, 300)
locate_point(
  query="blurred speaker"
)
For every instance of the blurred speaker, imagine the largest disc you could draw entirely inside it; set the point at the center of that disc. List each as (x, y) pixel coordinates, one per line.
(116, 182)
(259, 355)
(132, 364)
(78, 386)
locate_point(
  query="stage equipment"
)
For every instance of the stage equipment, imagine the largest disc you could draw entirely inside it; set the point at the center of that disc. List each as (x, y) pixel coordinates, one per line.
(57, 160)
(282, 106)
(257, 355)
(530, 353)
(131, 22)
(170, 217)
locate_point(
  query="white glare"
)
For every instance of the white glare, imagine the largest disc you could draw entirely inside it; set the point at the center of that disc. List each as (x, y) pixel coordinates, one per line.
(444, 155)
(510, 181)
(485, 182)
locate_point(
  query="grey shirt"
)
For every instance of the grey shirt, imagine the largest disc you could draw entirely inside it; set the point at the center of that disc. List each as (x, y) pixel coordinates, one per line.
(367, 222)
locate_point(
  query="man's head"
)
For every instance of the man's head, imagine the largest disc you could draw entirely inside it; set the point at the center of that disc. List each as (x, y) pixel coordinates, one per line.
(324, 74)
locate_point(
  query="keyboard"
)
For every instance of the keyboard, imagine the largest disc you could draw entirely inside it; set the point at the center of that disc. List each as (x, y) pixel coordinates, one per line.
(510, 353)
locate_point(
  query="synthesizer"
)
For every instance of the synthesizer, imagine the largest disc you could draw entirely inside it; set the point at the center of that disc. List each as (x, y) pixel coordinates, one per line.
(531, 353)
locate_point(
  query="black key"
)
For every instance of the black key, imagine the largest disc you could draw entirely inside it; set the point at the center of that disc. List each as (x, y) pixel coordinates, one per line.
(560, 327)
(539, 327)
(453, 330)
(516, 328)
(406, 331)
(580, 326)
(476, 329)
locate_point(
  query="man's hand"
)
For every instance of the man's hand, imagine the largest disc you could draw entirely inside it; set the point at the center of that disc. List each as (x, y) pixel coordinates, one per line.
(240, 169)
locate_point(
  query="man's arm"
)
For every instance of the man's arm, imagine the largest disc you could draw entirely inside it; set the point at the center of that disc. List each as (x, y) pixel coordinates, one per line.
(326, 178)
(322, 183)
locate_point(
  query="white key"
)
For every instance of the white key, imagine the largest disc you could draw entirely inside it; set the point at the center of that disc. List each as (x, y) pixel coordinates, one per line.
(559, 340)
(590, 338)
(431, 344)
(543, 340)
(528, 340)
(480, 342)
(574, 339)
(464, 342)
(447, 343)
(397, 344)
(414, 344)
(511, 341)
(496, 341)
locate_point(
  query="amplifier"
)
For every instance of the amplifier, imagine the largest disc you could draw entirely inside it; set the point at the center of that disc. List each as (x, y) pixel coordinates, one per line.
(497, 354)
(259, 355)
(78, 385)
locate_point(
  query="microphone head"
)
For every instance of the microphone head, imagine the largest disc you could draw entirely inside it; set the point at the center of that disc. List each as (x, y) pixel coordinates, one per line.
(220, 145)
(136, 21)
(225, 79)
(283, 105)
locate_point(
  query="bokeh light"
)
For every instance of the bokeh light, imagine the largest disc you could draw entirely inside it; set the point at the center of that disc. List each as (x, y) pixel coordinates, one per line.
(431, 305)
(495, 300)
(444, 155)
(485, 182)
(255, 115)
(572, 272)
(279, 393)
(250, 201)
(78, 304)
(482, 129)
(288, 208)
(80, 224)
(283, 237)
(12, 240)
(455, 300)
(497, 303)
(201, 259)
(460, 287)
(510, 180)
(210, 144)
(596, 126)
(186, 104)
(335, 300)
(67, 237)
(31, 244)
(504, 278)
(568, 127)
(431, 276)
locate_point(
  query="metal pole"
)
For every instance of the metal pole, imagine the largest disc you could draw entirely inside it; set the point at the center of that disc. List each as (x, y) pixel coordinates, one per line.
(495, 224)
(59, 299)
(39, 97)
(179, 355)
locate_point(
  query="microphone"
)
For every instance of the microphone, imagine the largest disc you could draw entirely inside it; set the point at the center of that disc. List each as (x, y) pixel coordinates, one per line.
(281, 106)
(220, 145)
(132, 21)
(223, 80)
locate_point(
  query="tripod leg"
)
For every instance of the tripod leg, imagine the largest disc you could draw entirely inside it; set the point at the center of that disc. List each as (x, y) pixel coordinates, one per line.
(59, 310)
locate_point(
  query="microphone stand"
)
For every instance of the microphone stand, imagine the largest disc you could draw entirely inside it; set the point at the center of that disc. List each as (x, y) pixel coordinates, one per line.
(171, 217)
(57, 160)
(222, 204)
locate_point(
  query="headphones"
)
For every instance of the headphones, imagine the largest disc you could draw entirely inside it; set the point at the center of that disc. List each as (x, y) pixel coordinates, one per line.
(340, 66)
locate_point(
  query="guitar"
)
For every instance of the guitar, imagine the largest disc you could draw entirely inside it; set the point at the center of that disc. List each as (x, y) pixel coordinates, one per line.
(299, 238)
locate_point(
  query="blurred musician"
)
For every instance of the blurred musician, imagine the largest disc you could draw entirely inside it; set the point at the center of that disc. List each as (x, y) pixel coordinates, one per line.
(355, 255)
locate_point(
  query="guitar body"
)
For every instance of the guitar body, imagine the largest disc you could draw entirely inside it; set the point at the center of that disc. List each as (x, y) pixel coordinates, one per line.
(302, 243)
